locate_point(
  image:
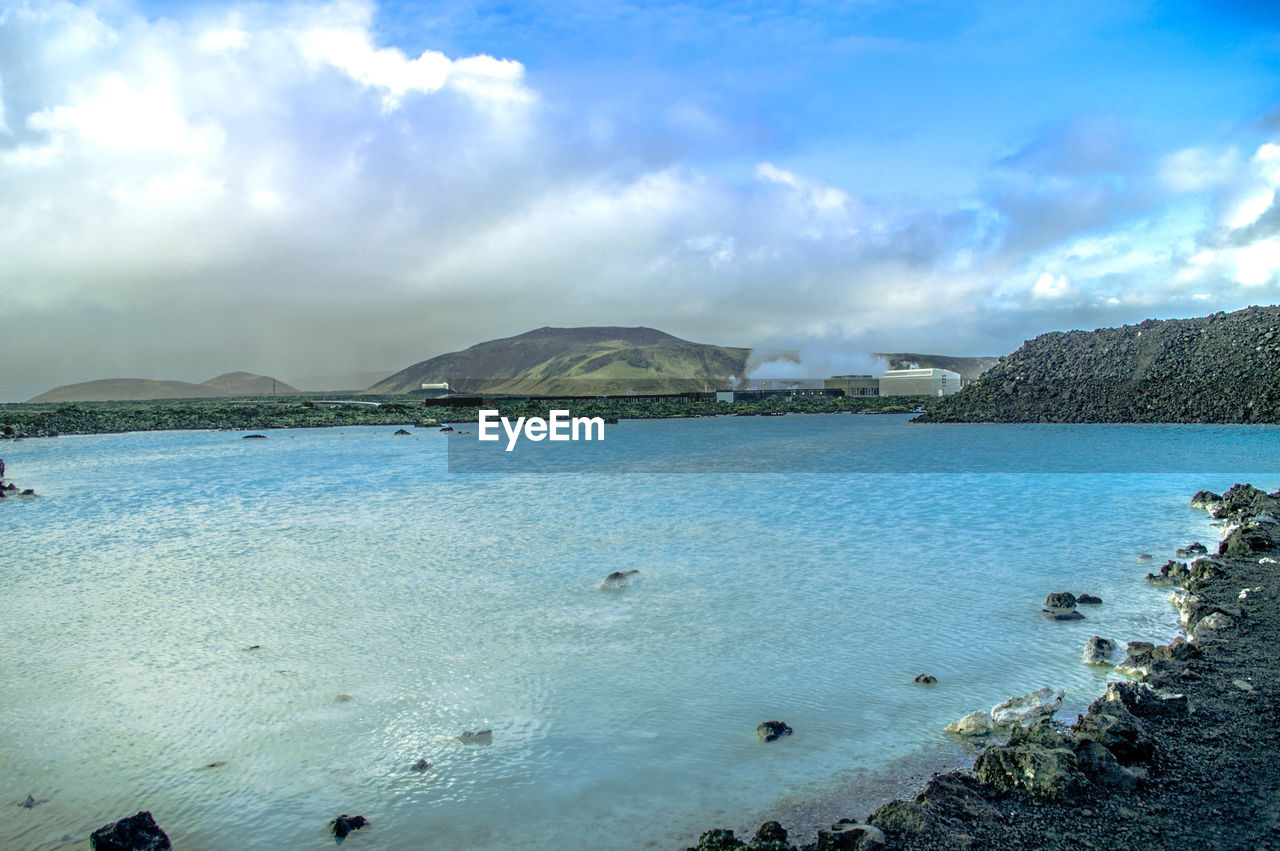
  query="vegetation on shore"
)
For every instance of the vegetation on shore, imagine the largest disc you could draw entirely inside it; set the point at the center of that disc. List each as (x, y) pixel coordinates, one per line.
(32, 420)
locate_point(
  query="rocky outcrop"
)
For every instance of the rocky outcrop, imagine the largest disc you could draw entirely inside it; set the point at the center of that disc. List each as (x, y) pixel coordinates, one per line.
(771, 731)
(1089, 600)
(1244, 541)
(770, 836)
(1213, 369)
(1027, 710)
(939, 814)
(926, 680)
(479, 737)
(135, 833)
(1171, 572)
(1036, 760)
(1195, 549)
(401, 431)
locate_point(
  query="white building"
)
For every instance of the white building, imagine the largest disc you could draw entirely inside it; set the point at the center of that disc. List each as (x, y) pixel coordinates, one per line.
(436, 389)
(919, 382)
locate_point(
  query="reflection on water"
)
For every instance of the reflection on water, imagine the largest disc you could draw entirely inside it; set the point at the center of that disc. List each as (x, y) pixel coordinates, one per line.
(439, 603)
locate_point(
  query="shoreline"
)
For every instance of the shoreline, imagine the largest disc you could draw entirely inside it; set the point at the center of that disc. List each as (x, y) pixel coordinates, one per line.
(26, 420)
(1183, 753)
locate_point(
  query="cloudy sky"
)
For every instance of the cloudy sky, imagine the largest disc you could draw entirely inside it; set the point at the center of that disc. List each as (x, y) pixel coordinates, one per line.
(308, 188)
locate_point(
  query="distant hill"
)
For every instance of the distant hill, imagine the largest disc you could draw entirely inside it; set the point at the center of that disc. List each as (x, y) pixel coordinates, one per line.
(121, 389)
(576, 361)
(1213, 369)
(968, 368)
(143, 389)
(248, 384)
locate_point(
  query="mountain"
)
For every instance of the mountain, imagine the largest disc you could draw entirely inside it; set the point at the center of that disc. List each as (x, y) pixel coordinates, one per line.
(145, 389)
(968, 368)
(248, 384)
(576, 361)
(1214, 369)
(120, 389)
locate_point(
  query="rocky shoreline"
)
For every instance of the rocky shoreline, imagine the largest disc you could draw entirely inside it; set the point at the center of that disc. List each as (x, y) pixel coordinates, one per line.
(1184, 752)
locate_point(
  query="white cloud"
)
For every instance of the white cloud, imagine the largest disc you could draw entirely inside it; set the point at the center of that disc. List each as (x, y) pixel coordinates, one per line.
(339, 35)
(1051, 287)
(278, 170)
(816, 196)
(1194, 169)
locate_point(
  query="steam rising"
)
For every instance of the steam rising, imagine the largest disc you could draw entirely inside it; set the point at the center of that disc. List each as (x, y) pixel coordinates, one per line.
(811, 358)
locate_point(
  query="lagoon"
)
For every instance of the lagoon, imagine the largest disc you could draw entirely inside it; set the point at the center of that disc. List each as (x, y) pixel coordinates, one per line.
(403, 589)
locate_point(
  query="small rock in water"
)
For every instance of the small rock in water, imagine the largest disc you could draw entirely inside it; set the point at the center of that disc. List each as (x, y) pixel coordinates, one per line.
(1028, 709)
(771, 731)
(1060, 600)
(481, 737)
(218, 764)
(344, 824)
(1099, 650)
(446, 428)
(1063, 614)
(254, 437)
(973, 724)
(1145, 557)
(1089, 600)
(401, 431)
(420, 765)
(926, 679)
(618, 580)
(135, 833)
(342, 698)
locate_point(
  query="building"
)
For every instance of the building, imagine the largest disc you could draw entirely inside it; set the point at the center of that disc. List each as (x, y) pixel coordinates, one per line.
(436, 390)
(854, 385)
(919, 382)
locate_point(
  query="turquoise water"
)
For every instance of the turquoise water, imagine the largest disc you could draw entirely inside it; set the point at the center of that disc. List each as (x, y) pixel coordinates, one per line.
(439, 602)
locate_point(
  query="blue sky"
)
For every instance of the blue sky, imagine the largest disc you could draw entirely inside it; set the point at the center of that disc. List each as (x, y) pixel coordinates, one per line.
(328, 187)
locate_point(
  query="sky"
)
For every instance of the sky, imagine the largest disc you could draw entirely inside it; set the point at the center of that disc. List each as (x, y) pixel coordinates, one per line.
(313, 188)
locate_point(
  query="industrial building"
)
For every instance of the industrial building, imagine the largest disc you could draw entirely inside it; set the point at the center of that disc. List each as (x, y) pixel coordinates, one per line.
(436, 390)
(919, 382)
(854, 385)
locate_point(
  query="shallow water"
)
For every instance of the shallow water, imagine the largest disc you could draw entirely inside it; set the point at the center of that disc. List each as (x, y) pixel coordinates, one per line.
(440, 601)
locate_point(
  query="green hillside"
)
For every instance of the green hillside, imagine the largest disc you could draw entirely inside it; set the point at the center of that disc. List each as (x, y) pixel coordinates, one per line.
(576, 361)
